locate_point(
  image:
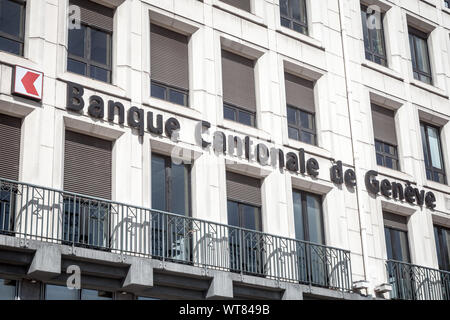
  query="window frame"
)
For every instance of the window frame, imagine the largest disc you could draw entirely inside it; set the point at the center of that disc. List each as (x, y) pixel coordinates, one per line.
(305, 215)
(371, 52)
(298, 125)
(237, 110)
(87, 53)
(428, 155)
(21, 38)
(444, 257)
(78, 291)
(240, 205)
(417, 34)
(291, 19)
(408, 249)
(167, 88)
(385, 154)
(168, 183)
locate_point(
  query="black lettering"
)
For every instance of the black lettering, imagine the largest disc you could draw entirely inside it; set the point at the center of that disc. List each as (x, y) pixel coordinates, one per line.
(136, 119)
(410, 194)
(171, 126)
(75, 94)
(302, 161)
(430, 200)
(96, 107)
(336, 173)
(420, 196)
(159, 124)
(219, 142)
(350, 178)
(372, 184)
(312, 167)
(205, 125)
(112, 107)
(397, 191)
(262, 154)
(386, 188)
(247, 143)
(292, 162)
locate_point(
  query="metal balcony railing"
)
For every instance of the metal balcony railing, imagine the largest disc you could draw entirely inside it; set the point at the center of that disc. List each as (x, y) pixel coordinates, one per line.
(412, 282)
(33, 212)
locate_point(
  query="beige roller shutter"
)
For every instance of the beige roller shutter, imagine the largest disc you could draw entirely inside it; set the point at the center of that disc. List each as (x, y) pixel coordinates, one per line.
(395, 221)
(238, 77)
(169, 57)
(244, 189)
(95, 15)
(384, 124)
(10, 130)
(299, 92)
(87, 165)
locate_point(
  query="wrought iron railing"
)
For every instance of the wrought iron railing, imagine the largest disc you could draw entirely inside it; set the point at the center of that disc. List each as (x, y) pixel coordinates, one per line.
(412, 282)
(45, 214)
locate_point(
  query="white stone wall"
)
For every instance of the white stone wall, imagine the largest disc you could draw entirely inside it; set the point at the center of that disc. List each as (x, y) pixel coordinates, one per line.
(333, 55)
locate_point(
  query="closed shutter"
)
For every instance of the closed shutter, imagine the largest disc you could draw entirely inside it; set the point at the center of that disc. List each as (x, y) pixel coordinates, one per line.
(238, 78)
(10, 128)
(87, 165)
(241, 4)
(395, 221)
(169, 57)
(299, 92)
(384, 125)
(95, 15)
(243, 189)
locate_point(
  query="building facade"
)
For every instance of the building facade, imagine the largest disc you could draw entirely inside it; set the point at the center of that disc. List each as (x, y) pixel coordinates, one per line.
(262, 149)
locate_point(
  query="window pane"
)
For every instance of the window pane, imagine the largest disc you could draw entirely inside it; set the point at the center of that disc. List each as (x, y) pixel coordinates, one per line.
(177, 97)
(180, 189)
(293, 134)
(387, 235)
(158, 183)
(306, 120)
(10, 17)
(10, 46)
(245, 118)
(291, 112)
(229, 113)
(95, 295)
(380, 159)
(284, 7)
(298, 216)
(233, 213)
(99, 74)
(250, 215)
(76, 41)
(76, 67)
(307, 137)
(424, 146)
(158, 91)
(7, 289)
(413, 51)
(365, 29)
(285, 22)
(435, 147)
(313, 206)
(422, 55)
(53, 292)
(99, 46)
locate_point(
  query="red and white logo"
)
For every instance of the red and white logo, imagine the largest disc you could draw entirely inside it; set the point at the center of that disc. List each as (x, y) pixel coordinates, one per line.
(28, 83)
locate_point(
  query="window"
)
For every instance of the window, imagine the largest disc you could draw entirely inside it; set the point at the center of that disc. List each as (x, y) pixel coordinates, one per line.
(55, 292)
(89, 48)
(396, 235)
(373, 36)
(308, 217)
(171, 192)
(12, 25)
(442, 238)
(87, 171)
(244, 211)
(385, 137)
(241, 4)
(434, 161)
(169, 65)
(7, 289)
(447, 3)
(170, 186)
(10, 133)
(293, 15)
(300, 109)
(419, 55)
(238, 77)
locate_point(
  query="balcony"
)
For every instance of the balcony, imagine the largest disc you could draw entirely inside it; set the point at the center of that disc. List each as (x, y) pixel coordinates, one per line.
(44, 214)
(412, 282)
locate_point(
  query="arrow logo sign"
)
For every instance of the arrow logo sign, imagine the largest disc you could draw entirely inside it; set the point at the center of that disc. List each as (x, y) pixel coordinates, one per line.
(28, 83)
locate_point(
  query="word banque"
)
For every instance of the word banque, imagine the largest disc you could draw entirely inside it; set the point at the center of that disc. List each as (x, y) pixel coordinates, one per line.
(238, 147)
